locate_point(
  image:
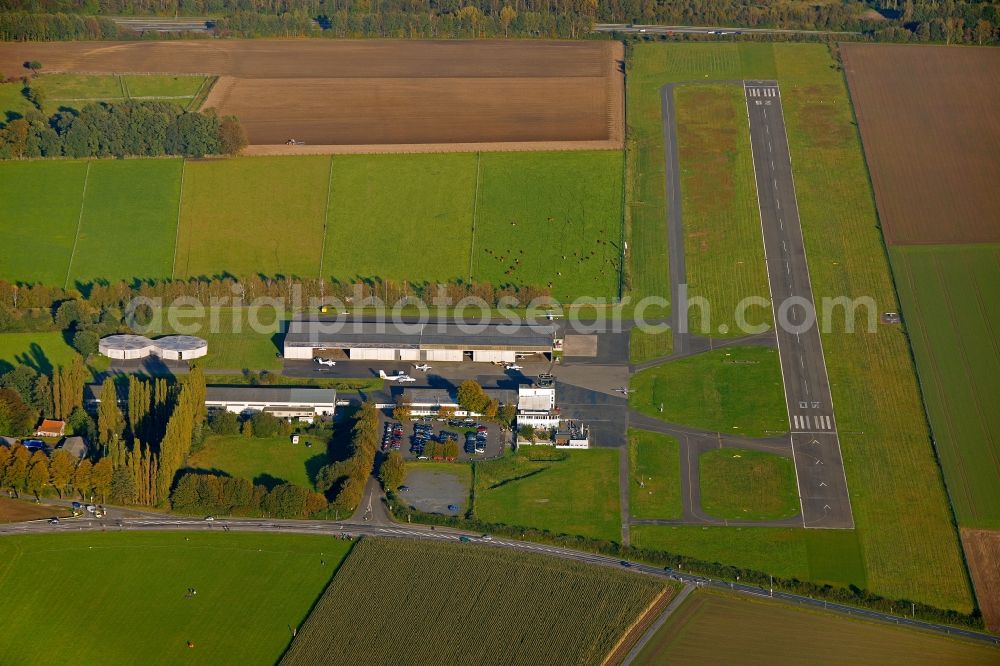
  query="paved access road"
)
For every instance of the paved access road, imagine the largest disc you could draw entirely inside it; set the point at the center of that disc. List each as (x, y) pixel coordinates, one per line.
(707, 30)
(815, 444)
(367, 528)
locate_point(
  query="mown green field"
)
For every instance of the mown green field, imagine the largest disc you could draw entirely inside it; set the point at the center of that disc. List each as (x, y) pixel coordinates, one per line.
(766, 631)
(647, 345)
(578, 495)
(723, 247)
(401, 217)
(736, 390)
(471, 604)
(129, 221)
(244, 339)
(39, 212)
(910, 547)
(952, 309)
(252, 216)
(552, 220)
(268, 461)
(824, 556)
(747, 485)
(654, 475)
(121, 597)
(41, 351)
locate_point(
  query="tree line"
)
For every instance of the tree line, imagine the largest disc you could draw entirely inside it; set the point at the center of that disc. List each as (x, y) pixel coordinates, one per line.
(27, 395)
(345, 480)
(967, 21)
(133, 128)
(199, 493)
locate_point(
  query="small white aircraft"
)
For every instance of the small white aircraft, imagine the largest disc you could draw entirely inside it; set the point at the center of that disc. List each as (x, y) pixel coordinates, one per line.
(423, 367)
(512, 366)
(400, 377)
(623, 390)
(326, 361)
(551, 316)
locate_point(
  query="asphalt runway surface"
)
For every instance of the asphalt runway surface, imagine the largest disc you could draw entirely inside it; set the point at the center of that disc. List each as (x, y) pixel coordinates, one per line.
(815, 444)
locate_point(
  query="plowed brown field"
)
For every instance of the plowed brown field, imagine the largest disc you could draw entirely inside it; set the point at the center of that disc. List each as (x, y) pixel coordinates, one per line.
(931, 130)
(982, 550)
(380, 92)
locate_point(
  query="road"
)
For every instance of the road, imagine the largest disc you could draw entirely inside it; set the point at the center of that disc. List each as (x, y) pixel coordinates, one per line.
(151, 522)
(634, 29)
(819, 465)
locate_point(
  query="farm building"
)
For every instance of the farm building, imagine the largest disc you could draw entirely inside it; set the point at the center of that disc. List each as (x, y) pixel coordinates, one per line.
(419, 342)
(170, 347)
(51, 428)
(76, 446)
(429, 401)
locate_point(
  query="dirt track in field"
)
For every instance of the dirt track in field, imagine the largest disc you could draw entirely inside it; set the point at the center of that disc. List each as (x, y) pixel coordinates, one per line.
(982, 551)
(332, 93)
(930, 123)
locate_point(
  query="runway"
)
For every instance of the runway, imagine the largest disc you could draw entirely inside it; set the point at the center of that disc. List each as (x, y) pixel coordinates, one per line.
(815, 444)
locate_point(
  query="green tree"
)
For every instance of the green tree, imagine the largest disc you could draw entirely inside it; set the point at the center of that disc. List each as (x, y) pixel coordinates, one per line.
(21, 379)
(265, 424)
(86, 341)
(527, 432)
(110, 420)
(42, 396)
(449, 449)
(471, 396)
(33, 65)
(122, 487)
(223, 422)
(392, 473)
(16, 418)
(61, 469)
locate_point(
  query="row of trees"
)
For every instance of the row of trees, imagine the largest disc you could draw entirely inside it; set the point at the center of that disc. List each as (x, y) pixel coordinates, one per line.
(23, 471)
(211, 493)
(346, 479)
(120, 129)
(961, 20)
(27, 395)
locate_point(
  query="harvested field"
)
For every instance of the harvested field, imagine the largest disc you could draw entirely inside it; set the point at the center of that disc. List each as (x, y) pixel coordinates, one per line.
(982, 552)
(931, 132)
(381, 92)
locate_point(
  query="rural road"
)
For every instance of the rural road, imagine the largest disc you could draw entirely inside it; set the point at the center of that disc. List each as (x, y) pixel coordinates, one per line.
(819, 466)
(351, 529)
(633, 29)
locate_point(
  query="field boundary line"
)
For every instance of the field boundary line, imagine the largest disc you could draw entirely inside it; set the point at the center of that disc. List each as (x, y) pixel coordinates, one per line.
(475, 212)
(123, 85)
(79, 223)
(326, 217)
(177, 230)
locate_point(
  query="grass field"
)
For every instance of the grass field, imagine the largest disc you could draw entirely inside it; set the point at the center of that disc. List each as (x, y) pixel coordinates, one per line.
(268, 461)
(909, 545)
(471, 607)
(766, 631)
(655, 475)
(234, 341)
(401, 217)
(253, 216)
(121, 597)
(41, 209)
(723, 248)
(824, 556)
(550, 219)
(578, 495)
(645, 346)
(747, 485)
(129, 220)
(14, 511)
(736, 390)
(951, 306)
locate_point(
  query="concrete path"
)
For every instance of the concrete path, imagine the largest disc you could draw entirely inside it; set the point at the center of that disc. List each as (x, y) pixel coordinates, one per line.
(660, 621)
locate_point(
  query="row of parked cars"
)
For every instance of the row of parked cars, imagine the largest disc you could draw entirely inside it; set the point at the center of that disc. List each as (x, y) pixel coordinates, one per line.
(475, 442)
(392, 437)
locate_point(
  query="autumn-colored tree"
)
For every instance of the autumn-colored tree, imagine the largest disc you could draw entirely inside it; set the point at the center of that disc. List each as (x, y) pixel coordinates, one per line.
(38, 473)
(61, 469)
(110, 420)
(15, 474)
(392, 473)
(403, 408)
(82, 482)
(101, 476)
(507, 16)
(232, 135)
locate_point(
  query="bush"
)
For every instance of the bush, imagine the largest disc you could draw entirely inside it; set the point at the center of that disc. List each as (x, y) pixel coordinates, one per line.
(86, 342)
(223, 422)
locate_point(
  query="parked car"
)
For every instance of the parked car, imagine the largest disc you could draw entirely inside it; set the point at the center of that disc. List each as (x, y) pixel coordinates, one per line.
(53, 520)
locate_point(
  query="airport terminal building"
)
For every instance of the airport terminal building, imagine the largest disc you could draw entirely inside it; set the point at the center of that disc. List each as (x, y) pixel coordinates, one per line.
(343, 339)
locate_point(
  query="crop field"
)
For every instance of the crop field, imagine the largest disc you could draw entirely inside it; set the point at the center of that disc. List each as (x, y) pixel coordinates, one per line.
(473, 609)
(130, 591)
(577, 495)
(735, 390)
(268, 461)
(655, 475)
(380, 91)
(40, 213)
(129, 220)
(723, 247)
(14, 511)
(931, 133)
(909, 547)
(766, 631)
(982, 551)
(748, 485)
(952, 311)
(246, 216)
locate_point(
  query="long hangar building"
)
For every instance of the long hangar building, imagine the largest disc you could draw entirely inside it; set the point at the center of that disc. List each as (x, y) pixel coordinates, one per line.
(435, 341)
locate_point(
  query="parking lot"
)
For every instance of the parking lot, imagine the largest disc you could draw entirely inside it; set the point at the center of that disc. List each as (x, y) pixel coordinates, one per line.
(428, 438)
